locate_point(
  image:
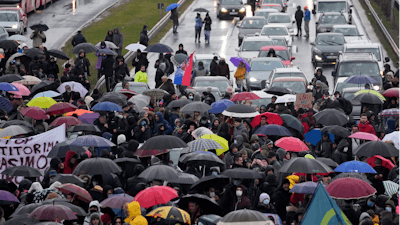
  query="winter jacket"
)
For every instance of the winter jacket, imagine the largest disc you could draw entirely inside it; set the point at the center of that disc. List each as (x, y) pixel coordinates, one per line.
(240, 73)
(307, 15)
(214, 69)
(141, 77)
(92, 203)
(207, 23)
(174, 16)
(109, 37)
(68, 168)
(224, 70)
(167, 86)
(77, 39)
(240, 129)
(377, 183)
(118, 38)
(299, 15)
(157, 78)
(282, 110)
(280, 199)
(199, 23)
(99, 59)
(82, 65)
(107, 66)
(324, 148)
(305, 121)
(37, 38)
(141, 136)
(144, 39)
(167, 127)
(368, 128)
(135, 215)
(338, 155)
(54, 162)
(140, 61)
(120, 71)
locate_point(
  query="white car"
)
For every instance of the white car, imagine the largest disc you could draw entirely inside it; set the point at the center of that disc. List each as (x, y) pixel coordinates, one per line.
(277, 30)
(265, 12)
(12, 22)
(281, 18)
(252, 45)
(286, 72)
(265, 98)
(350, 33)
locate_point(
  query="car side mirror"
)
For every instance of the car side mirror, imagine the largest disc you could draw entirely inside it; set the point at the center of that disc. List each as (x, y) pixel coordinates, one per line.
(333, 73)
(237, 49)
(292, 58)
(387, 59)
(312, 43)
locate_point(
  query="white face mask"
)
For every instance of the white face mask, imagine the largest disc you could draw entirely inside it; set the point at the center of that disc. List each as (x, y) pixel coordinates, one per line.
(266, 201)
(389, 209)
(345, 149)
(239, 193)
(212, 194)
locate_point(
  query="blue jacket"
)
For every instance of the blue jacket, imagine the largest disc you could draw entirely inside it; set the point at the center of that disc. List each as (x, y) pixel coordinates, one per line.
(199, 22)
(167, 127)
(307, 15)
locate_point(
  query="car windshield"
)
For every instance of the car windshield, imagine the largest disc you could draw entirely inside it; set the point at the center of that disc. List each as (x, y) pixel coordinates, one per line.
(342, 85)
(254, 45)
(292, 74)
(339, 6)
(8, 16)
(253, 24)
(279, 42)
(333, 19)
(348, 69)
(282, 54)
(272, 7)
(265, 65)
(279, 19)
(274, 31)
(272, 2)
(346, 31)
(132, 87)
(221, 85)
(206, 63)
(296, 86)
(349, 95)
(326, 40)
(231, 2)
(262, 101)
(376, 51)
(262, 13)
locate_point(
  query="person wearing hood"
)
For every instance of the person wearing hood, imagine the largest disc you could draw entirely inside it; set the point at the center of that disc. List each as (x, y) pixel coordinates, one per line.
(120, 69)
(188, 129)
(304, 119)
(378, 178)
(181, 50)
(324, 147)
(144, 38)
(229, 156)
(281, 198)
(271, 53)
(159, 74)
(122, 145)
(207, 28)
(52, 68)
(348, 209)
(214, 69)
(364, 126)
(340, 154)
(56, 165)
(178, 126)
(239, 128)
(160, 129)
(318, 76)
(133, 214)
(118, 39)
(107, 69)
(134, 180)
(224, 132)
(82, 64)
(223, 69)
(142, 131)
(318, 91)
(215, 125)
(264, 205)
(159, 118)
(70, 163)
(95, 219)
(109, 36)
(78, 38)
(94, 208)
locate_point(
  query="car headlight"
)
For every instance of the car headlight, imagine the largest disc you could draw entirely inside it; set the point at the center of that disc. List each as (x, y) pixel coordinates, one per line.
(252, 79)
(15, 26)
(318, 58)
(242, 10)
(224, 10)
(377, 87)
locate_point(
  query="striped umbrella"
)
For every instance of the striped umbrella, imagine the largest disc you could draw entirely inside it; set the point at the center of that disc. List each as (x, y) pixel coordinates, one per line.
(390, 187)
(390, 112)
(203, 144)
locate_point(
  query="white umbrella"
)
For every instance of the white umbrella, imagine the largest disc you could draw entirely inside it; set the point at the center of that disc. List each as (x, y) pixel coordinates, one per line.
(17, 37)
(286, 98)
(200, 132)
(109, 44)
(139, 101)
(75, 86)
(135, 46)
(394, 136)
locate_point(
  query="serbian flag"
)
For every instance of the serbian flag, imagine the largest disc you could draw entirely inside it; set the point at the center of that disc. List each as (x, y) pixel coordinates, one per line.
(183, 74)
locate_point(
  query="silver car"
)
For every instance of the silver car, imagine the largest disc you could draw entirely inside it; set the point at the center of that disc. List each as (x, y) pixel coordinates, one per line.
(250, 25)
(251, 46)
(281, 18)
(12, 22)
(3, 34)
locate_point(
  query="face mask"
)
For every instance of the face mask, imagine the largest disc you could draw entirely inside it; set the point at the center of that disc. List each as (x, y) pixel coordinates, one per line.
(203, 122)
(68, 92)
(93, 211)
(143, 123)
(266, 201)
(18, 63)
(389, 209)
(120, 116)
(94, 183)
(212, 194)
(370, 204)
(235, 141)
(214, 173)
(236, 182)
(345, 149)
(239, 193)
(190, 96)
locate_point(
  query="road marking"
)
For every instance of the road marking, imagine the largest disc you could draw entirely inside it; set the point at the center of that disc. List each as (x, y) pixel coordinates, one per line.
(225, 42)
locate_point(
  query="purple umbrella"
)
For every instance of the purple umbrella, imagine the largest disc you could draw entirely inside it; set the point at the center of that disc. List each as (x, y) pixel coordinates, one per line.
(236, 60)
(88, 118)
(117, 201)
(304, 188)
(54, 213)
(7, 198)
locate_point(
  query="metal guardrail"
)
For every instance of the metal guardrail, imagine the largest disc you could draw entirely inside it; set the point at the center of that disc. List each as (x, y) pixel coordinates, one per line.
(383, 28)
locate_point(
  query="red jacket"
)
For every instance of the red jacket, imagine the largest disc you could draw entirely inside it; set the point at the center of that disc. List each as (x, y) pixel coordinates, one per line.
(368, 128)
(306, 122)
(67, 166)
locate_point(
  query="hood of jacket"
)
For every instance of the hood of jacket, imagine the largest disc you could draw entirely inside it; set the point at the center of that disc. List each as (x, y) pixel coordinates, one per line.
(253, 138)
(133, 145)
(160, 117)
(224, 127)
(272, 180)
(342, 144)
(141, 119)
(133, 211)
(95, 203)
(36, 186)
(68, 156)
(239, 140)
(281, 153)
(54, 162)
(138, 169)
(117, 29)
(159, 131)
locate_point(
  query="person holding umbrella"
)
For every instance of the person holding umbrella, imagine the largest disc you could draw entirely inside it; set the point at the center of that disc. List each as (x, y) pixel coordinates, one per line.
(38, 37)
(198, 26)
(174, 17)
(207, 28)
(240, 74)
(381, 175)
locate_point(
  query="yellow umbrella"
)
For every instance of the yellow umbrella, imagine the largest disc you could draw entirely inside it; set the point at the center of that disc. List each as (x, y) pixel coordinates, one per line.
(171, 213)
(222, 141)
(42, 102)
(371, 92)
(309, 156)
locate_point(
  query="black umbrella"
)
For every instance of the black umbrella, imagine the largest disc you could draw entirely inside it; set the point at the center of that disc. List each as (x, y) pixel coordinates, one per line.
(69, 178)
(86, 47)
(202, 158)
(26, 209)
(159, 172)
(330, 116)
(328, 162)
(292, 122)
(216, 181)
(200, 10)
(279, 91)
(336, 130)
(368, 98)
(240, 111)
(96, 166)
(304, 165)
(37, 88)
(125, 160)
(114, 97)
(207, 204)
(60, 149)
(8, 44)
(22, 171)
(196, 107)
(62, 201)
(241, 173)
(163, 142)
(22, 219)
(160, 48)
(16, 122)
(185, 178)
(106, 51)
(178, 103)
(245, 216)
(87, 128)
(9, 78)
(58, 54)
(32, 52)
(372, 148)
(355, 175)
(41, 27)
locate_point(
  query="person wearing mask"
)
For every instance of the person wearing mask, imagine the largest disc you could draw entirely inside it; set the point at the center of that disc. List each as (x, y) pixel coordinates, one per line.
(38, 37)
(198, 26)
(241, 201)
(141, 76)
(144, 38)
(181, 51)
(16, 68)
(368, 204)
(78, 38)
(107, 69)
(223, 69)
(82, 64)
(94, 208)
(69, 95)
(264, 205)
(299, 19)
(109, 36)
(175, 19)
(118, 40)
(240, 75)
(142, 131)
(307, 17)
(340, 154)
(281, 198)
(364, 126)
(326, 100)
(381, 175)
(207, 28)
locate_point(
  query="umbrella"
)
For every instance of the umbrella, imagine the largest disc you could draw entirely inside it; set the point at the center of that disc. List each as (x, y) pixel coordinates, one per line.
(391, 92)
(159, 172)
(60, 149)
(353, 175)
(42, 102)
(22, 89)
(385, 162)
(78, 112)
(272, 118)
(195, 107)
(106, 51)
(330, 116)
(328, 162)
(22, 219)
(69, 178)
(200, 10)
(203, 145)
(200, 132)
(107, 106)
(279, 91)
(14, 130)
(291, 144)
(273, 130)
(23, 123)
(156, 195)
(35, 113)
(7, 198)
(40, 26)
(32, 52)
(75, 86)
(85, 128)
(53, 213)
(61, 108)
(360, 79)
(22, 171)
(372, 148)
(64, 202)
(242, 96)
(8, 44)
(86, 47)
(127, 93)
(390, 112)
(114, 97)
(4, 86)
(139, 101)
(67, 120)
(336, 130)
(370, 92)
(241, 173)
(391, 187)
(10, 78)
(171, 215)
(149, 153)
(117, 201)
(178, 59)
(17, 37)
(355, 167)
(28, 80)
(79, 192)
(207, 204)
(201, 158)
(178, 103)
(308, 187)
(315, 135)
(350, 188)
(285, 99)
(42, 86)
(304, 165)
(168, 142)
(216, 181)
(220, 105)
(368, 98)
(236, 60)
(171, 7)
(92, 141)
(6, 105)
(185, 178)
(109, 44)
(58, 54)
(96, 166)
(88, 118)
(222, 141)
(364, 136)
(135, 46)
(244, 216)
(292, 122)
(50, 94)
(160, 48)
(241, 111)
(393, 137)
(156, 93)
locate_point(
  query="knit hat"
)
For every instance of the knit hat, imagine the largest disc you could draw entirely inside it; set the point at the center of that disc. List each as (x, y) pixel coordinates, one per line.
(264, 196)
(364, 215)
(285, 181)
(269, 142)
(121, 139)
(254, 137)
(52, 173)
(177, 120)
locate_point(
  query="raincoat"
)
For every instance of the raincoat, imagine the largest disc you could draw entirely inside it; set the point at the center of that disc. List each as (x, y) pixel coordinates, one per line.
(368, 128)
(68, 168)
(92, 203)
(141, 77)
(167, 127)
(118, 40)
(134, 215)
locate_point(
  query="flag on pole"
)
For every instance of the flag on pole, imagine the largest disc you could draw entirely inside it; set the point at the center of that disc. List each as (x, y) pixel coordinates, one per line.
(183, 74)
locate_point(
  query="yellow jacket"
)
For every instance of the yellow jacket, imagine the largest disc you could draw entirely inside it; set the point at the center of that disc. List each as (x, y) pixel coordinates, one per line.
(134, 215)
(240, 72)
(141, 77)
(293, 179)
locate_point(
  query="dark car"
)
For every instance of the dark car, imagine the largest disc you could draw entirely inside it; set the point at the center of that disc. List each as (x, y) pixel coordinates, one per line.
(250, 25)
(261, 69)
(326, 48)
(231, 8)
(327, 20)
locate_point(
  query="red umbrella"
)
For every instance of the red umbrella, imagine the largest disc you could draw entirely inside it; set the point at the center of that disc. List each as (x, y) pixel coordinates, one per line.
(148, 153)
(128, 93)
(155, 196)
(364, 136)
(79, 193)
(244, 96)
(272, 118)
(391, 92)
(55, 213)
(291, 144)
(350, 188)
(61, 108)
(385, 162)
(68, 120)
(35, 112)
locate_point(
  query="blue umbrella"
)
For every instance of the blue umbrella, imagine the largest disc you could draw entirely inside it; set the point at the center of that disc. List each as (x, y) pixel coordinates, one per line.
(171, 7)
(273, 129)
(107, 106)
(5, 104)
(315, 135)
(308, 187)
(220, 106)
(7, 87)
(355, 167)
(360, 79)
(92, 141)
(50, 94)
(236, 60)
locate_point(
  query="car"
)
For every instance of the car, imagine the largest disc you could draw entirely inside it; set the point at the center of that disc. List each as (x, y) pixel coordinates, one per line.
(326, 6)
(261, 68)
(326, 48)
(350, 33)
(286, 72)
(327, 20)
(277, 30)
(207, 58)
(250, 25)
(219, 82)
(229, 8)
(21, 12)
(297, 84)
(3, 34)
(348, 94)
(272, 6)
(280, 52)
(265, 12)
(138, 87)
(281, 18)
(214, 91)
(281, 3)
(265, 98)
(252, 45)
(12, 22)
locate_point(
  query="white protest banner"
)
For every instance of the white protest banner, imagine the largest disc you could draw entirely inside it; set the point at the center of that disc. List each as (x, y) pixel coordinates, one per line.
(30, 151)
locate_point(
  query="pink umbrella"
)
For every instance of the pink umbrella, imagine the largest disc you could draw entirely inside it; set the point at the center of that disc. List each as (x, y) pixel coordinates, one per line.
(22, 90)
(364, 136)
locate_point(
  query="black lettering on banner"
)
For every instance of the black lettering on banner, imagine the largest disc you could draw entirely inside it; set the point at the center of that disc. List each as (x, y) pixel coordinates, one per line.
(41, 162)
(12, 162)
(28, 150)
(19, 141)
(3, 163)
(28, 139)
(17, 148)
(36, 148)
(3, 148)
(30, 161)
